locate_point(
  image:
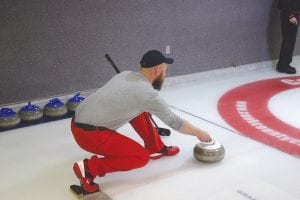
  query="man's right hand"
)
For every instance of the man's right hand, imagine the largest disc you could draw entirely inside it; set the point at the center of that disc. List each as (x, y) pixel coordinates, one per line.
(189, 129)
(204, 137)
(293, 20)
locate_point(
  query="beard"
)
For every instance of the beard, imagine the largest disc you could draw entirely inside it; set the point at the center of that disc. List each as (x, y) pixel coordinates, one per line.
(158, 82)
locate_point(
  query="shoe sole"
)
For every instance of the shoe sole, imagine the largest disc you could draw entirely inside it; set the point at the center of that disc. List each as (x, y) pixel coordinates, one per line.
(156, 156)
(286, 72)
(78, 168)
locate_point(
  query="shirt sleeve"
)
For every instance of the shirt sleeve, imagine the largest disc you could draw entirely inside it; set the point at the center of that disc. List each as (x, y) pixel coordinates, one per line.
(157, 106)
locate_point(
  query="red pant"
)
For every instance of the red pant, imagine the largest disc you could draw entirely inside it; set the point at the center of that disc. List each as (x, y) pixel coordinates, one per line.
(118, 152)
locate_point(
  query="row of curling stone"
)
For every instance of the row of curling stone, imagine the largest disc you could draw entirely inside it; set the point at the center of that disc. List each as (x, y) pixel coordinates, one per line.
(55, 108)
(209, 152)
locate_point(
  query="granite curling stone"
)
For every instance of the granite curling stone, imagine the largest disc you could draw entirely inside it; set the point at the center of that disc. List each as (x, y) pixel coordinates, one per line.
(9, 118)
(55, 108)
(30, 113)
(74, 102)
(209, 152)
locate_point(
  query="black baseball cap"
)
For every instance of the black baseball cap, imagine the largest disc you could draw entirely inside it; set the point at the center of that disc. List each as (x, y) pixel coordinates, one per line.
(153, 58)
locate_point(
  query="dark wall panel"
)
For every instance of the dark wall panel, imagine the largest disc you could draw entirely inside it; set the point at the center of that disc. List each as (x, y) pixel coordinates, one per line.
(49, 48)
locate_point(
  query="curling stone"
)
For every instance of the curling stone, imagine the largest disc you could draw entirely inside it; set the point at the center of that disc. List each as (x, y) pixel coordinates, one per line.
(55, 108)
(9, 118)
(74, 102)
(209, 152)
(30, 113)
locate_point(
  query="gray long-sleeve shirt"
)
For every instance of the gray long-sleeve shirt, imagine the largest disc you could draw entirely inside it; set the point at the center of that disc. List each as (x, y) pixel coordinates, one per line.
(124, 97)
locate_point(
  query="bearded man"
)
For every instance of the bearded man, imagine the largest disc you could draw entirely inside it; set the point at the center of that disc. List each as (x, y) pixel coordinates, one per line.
(129, 97)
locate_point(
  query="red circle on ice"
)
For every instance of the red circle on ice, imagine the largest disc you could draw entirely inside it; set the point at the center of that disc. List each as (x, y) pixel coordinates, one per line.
(245, 108)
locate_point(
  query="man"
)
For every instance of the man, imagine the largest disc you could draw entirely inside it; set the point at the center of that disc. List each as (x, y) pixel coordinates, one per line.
(290, 10)
(127, 97)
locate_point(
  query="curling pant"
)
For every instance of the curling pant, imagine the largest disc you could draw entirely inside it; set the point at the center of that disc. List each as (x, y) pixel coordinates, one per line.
(289, 36)
(116, 152)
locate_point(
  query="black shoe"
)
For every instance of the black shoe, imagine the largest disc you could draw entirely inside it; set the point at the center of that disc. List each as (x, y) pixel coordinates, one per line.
(287, 70)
